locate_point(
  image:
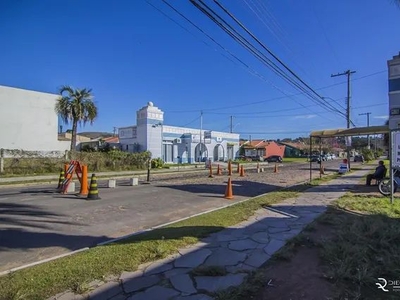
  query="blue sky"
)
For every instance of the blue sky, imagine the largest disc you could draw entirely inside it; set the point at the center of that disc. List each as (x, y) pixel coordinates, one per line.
(129, 53)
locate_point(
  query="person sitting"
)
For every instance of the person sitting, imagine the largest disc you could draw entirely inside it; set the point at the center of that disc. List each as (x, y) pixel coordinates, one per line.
(379, 174)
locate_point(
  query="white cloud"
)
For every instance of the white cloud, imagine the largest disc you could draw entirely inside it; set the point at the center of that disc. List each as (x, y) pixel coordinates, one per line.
(305, 117)
(381, 117)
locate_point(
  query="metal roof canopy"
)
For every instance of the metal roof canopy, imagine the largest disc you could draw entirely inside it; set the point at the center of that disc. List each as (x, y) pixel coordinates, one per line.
(350, 132)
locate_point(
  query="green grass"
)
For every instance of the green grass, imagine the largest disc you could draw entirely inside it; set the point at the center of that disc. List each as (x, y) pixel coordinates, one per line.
(294, 160)
(76, 271)
(366, 246)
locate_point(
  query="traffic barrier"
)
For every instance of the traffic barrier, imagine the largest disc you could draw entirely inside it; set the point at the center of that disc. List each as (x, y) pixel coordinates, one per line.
(228, 190)
(61, 179)
(219, 171)
(133, 181)
(210, 173)
(241, 171)
(93, 190)
(112, 183)
(84, 181)
(71, 187)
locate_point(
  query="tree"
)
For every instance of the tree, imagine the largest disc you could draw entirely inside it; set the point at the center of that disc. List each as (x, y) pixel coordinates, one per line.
(76, 106)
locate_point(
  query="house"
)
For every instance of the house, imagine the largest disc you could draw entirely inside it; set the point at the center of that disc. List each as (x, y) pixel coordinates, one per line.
(293, 149)
(262, 148)
(101, 143)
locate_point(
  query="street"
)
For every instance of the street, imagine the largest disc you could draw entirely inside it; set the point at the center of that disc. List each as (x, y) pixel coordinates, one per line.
(38, 223)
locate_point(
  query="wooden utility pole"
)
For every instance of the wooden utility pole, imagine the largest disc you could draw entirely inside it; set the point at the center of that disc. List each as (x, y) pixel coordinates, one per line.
(367, 114)
(348, 74)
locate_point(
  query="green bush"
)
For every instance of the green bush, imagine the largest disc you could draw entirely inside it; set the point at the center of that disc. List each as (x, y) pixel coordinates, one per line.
(114, 160)
(368, 154)
(157, 163)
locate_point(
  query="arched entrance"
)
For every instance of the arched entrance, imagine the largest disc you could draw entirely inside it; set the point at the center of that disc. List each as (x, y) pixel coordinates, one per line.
(219, 152)
(200, 153)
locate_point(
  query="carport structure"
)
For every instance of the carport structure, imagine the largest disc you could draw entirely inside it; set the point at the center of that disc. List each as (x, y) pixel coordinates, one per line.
(348, 132)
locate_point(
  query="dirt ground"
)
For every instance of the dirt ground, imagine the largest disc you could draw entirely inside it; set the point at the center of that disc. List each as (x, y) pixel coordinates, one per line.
(302, 276)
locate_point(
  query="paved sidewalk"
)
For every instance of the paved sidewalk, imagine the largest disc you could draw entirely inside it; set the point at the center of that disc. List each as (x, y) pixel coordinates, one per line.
(239, 250)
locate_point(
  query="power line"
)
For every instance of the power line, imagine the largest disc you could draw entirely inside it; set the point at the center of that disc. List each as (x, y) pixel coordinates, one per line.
(312, 91)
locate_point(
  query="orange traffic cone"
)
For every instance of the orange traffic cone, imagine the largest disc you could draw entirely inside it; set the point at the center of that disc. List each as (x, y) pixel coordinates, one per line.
(276, 168)
(229, 168)
(238, 168)
(228, 191)
(93, 190)
(219, 171)
(241, 171)
(210, 175)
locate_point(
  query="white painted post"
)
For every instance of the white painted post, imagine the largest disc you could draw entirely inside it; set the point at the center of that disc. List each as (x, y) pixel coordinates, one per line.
(112, 183)
(134, 181)
(71, 187)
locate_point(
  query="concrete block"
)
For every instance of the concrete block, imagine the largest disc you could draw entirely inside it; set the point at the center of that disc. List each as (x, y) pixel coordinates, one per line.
(112, 183)
(71, 187)
(134, 181)
(262, 170)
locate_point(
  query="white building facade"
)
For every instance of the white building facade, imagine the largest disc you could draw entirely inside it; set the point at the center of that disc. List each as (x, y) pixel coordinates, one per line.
(28, 121)
(176, 144)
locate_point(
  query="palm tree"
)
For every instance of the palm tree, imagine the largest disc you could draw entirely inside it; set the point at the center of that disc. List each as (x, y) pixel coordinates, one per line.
(76, 106)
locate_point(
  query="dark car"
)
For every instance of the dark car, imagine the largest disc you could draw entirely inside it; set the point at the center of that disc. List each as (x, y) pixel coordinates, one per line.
(359, 158)
(315, 158)
(273, 158)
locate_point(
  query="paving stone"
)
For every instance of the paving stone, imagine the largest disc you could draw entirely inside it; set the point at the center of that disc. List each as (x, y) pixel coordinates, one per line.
(225, 257)
(67, 296)
(278, 229)
(106, 291)
(284, 236)
(155, 293)
(239, 268)
(193, 259)
(176, 271)
(273, 246)
(194, 297)
(261, 237)
(223, 237)
(215, 283)
(183, 283)
(257, 258)
(138, 283)
(157, 267)
(242, 245)
(119, 297)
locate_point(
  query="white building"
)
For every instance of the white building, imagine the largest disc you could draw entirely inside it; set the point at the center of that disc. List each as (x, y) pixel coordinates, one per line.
(176, 144)
(28, 121)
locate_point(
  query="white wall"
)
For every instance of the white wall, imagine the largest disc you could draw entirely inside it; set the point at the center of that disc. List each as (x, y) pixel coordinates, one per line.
(28, 121)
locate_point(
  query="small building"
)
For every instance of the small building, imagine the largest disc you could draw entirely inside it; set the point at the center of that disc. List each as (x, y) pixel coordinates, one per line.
(262, 148)
(176, 144)
(293, 149)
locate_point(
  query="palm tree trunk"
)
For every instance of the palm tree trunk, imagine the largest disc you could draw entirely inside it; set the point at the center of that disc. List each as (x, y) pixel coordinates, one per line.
(73, 139)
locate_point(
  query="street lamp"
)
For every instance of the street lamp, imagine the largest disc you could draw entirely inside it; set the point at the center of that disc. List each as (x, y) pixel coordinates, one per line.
(149, 162)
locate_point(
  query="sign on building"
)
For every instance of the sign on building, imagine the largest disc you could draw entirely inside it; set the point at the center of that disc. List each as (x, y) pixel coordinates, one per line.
(207, 137)
(127, 133)
(394, 92)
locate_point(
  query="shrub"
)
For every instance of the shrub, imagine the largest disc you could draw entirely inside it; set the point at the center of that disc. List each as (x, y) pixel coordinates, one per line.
(157, 163)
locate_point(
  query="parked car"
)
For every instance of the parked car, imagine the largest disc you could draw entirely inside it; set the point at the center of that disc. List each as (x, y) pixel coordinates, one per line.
(315, 158)
(359, 158)
(273, 158)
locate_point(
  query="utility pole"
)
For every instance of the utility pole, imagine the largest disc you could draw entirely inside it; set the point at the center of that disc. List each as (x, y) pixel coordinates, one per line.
(348, 74)
(231, 124)
(201, 129)
(367, 114)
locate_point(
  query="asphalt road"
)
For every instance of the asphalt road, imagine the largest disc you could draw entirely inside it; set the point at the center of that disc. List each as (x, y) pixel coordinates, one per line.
(37, 222)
